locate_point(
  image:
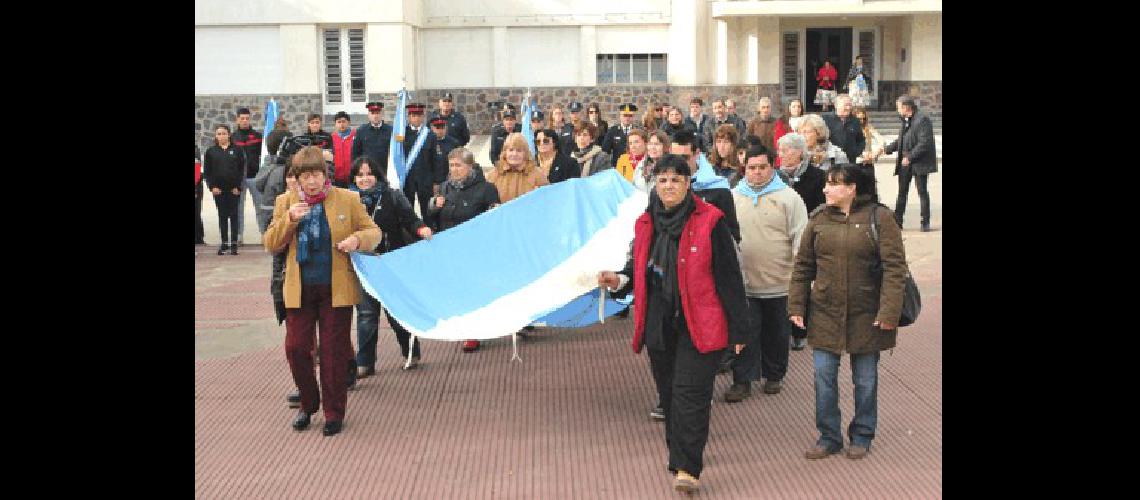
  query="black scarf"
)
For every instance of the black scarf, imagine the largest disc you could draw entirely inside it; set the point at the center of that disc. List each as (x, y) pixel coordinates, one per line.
(667, 228)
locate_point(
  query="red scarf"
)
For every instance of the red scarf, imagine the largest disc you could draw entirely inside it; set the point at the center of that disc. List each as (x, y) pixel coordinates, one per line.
(317, 198)
(634, 160)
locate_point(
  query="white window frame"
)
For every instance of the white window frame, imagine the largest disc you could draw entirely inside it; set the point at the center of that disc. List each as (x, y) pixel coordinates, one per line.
(347, 104)
(649, 68)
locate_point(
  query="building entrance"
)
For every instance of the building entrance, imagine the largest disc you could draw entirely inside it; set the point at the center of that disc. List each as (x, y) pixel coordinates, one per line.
(822, 44)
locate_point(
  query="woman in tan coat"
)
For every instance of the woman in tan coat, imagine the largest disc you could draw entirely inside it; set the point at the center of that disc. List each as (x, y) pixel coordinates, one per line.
(855, 302)
(516, 173)
(319, 225)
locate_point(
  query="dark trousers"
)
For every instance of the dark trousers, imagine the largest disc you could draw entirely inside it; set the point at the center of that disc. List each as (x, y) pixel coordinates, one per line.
(923, 195)
(368, 329)
(413, 190)
(199, 228)
(336, 350)
(766, 355)
(227, 204)
(685, 380)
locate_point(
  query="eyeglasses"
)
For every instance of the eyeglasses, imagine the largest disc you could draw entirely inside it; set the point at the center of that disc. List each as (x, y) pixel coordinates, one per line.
(544, 140)
(657, 109)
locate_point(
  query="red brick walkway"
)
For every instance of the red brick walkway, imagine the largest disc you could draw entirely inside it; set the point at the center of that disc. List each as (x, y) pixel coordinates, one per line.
(570, 421)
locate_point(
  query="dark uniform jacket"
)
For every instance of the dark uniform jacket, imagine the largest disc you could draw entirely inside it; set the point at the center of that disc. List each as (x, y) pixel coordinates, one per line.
(456, 126)
(224, 168)
(498, 135)
(462, 204)
(249, 140)
(566, 137)
(916, 140)
(428, 169)
(374, 142)
(847, 135)
(442, 148)
(838, 253)
(615, 142)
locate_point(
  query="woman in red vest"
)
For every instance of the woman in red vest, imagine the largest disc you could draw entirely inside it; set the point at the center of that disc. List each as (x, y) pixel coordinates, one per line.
(688, 304)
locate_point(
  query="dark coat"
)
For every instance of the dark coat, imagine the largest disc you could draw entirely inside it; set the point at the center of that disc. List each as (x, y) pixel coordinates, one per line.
(810, 187)
(722, 198)
(615, 142)
(249, 140)
(396, 219)
(566, 137)
(463, 204)
(916, 141)
(224, 168)
(374, 142)
(564, 167)
(710, 130)
(498, 135)
(456, 126)
(847, 135)
(837, 252)
(672, 130)
(428, 168)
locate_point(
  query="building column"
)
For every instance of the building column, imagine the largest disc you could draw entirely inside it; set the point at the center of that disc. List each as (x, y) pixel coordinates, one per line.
(389, 55)
(721, 51)
(588, 56)
(768, 30)
(684, 43)
(500, 59)
(751, 51)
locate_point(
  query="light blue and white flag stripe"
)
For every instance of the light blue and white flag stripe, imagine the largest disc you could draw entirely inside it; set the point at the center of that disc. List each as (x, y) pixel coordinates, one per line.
(397, 170)
(270, 119)
(527, 132)
(539, 253)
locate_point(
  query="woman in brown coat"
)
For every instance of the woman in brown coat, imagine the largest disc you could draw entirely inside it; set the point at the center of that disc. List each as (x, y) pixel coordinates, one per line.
(855, 307)
(516, 173)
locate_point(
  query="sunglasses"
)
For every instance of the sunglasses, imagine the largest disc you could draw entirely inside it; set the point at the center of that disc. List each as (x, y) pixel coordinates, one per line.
(658, 109)
(592, 112)
(544, 140)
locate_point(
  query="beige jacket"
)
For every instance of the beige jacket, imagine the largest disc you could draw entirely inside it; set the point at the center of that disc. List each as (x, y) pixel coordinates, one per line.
(346, 216)
(769, 238)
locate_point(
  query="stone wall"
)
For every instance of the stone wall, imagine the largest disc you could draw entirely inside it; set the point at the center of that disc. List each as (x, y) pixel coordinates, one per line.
(213, 110)
(473, 102)
(928, 94)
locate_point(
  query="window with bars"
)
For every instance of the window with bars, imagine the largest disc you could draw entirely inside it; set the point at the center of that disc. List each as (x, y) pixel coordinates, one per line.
(791, 67)
(632, 68)
(344, 65)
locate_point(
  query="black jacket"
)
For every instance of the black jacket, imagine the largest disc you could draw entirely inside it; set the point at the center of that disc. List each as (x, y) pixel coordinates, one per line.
(250, 142)
(396, 218)
(722, 198)
(456, 126)
(374, 142)
(847, 135)
(615, 142)
(810, 187)
(320, 139)
(498, 135)
(224, 169)
(916, 140)
(672, 130)
(463, 204)
(708, 136)
(603, 126)
(428, 169)
(442, 148)
(564, 167)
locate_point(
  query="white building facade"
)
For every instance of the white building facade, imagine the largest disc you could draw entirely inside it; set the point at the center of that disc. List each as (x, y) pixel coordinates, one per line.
(322, 57)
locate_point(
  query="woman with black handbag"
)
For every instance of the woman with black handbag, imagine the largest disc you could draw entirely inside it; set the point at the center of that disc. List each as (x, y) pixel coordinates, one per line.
(855, 308)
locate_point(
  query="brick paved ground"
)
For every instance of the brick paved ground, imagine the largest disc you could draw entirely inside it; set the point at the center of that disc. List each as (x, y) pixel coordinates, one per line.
(570, 421)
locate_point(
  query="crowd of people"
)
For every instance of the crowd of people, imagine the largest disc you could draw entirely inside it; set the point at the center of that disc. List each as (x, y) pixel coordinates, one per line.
(729, 271)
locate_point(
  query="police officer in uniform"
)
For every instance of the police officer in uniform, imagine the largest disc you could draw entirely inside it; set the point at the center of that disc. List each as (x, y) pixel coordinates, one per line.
(537, 120)
(425, 172)
(500, 131)
(445, 142)
(566, 135)
(456, 122)
(616, 137)
(373, 138)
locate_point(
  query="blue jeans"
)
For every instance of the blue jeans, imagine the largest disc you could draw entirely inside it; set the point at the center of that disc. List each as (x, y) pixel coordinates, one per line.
(368, 328)
(262, 222)
(865, 376)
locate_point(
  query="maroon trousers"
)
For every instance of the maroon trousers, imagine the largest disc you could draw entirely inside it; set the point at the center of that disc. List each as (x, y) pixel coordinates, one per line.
(336, 350)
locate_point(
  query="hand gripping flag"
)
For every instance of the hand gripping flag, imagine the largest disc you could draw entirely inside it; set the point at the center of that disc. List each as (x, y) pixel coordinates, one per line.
(540, 255)
(397, 169)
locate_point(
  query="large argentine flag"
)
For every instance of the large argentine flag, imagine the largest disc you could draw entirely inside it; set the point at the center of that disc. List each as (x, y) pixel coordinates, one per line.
(535, 258)
(397, 170)
(270, 120)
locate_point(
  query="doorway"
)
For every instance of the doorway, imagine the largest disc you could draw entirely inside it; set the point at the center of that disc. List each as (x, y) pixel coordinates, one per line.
(832, 44)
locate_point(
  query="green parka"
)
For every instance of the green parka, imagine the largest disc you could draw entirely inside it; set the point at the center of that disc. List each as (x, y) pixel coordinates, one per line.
(838, 254)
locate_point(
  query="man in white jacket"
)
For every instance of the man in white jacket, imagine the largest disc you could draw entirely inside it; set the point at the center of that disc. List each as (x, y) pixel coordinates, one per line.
(772, 218)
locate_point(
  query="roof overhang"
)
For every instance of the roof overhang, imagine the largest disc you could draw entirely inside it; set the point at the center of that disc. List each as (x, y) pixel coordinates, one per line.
(808, 8)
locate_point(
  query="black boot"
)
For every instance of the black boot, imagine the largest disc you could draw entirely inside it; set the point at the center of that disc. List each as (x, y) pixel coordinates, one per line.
(222, 249)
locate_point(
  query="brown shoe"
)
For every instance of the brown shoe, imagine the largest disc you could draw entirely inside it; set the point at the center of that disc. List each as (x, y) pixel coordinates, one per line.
(685, 482)
(856, 452)
(817, 452)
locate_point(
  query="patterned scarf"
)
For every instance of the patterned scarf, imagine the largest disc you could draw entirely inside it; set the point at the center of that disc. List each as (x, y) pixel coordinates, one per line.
(309, 228)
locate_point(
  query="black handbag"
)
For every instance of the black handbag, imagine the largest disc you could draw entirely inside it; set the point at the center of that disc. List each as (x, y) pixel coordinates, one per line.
(912, 299)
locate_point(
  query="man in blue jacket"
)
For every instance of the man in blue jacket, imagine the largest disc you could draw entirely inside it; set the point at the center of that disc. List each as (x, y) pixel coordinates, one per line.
(373, 137)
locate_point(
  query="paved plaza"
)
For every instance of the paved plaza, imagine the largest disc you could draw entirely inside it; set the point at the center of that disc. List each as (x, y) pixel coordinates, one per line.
(569, 421)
